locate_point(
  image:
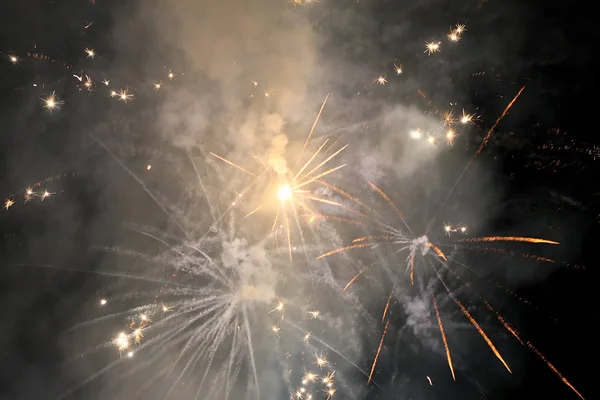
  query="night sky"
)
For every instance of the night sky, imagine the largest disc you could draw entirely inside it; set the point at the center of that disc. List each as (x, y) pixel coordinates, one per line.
(113, 169)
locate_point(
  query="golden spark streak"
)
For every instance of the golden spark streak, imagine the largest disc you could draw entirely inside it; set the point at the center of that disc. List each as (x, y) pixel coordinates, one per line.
(323, 163)
(310, 160)
(508, 239)
(438, 251)
(448, 355)
(553, 368)
(506, 325)
(333, 203)
(316, 121)
(354, 278)
(387, 306)
(532, 347)
(489, 134)
(483, 334)
(254, 211)
(232, 164)
(412, 268)
(378, 350)
(322, 174)
(362, 239)
(354, 246)
(391, 203)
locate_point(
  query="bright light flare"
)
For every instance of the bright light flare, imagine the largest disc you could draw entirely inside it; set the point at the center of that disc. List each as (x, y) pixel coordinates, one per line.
(284, 193)
(90, 52)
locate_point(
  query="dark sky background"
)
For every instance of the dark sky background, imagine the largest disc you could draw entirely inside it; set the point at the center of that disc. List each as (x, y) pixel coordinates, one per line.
(543, 161)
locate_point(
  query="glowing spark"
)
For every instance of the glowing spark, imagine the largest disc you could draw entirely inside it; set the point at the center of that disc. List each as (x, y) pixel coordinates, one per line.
(278, 308)
(121, 341)
(106, 82)
(45, 195)
(450, 136)
(448, 355)
(398, 69)
(148, 167)
(157, 85)
(130, 354)
(310, 377)
(8, 203)
(432, 47)
(431, 140)
(415, 134)
(51, 103)
(321, 361)
(13, 59)
(276, 329)
(460, 28)
(453, 36)
(166, 308)
(448, 118)
(307, 336)
(330, 393)
(113, 93)
(171, 75)
(381, 80)
(466, 118)
(124, 96)
(314, 314)
(90, 52)
(429, 379)
(103, 302)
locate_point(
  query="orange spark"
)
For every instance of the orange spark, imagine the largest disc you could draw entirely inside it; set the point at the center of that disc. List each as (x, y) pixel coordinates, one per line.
(362, 239)
(508, 239)
(448, 356)
(438, 251)
(378, 350)
(354, 246)
(532, 347)
(354, 278)
(412, 268)
(387, 305)
(391, 203)
(489, 134)
(482, 333)
(553, 368)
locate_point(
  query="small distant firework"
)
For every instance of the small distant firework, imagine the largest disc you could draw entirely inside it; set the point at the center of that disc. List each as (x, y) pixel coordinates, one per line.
(456, 32)
(90, 52)
(398, 69)
(432, 47)
(51, 102)
(124, 95)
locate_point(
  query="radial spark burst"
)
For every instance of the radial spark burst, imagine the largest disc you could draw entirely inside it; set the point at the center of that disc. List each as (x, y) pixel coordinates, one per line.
(291, 192)
(426, 258)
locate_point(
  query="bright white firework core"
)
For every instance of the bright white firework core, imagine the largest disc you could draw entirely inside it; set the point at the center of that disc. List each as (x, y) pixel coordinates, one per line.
(284, 193)
(421, 244)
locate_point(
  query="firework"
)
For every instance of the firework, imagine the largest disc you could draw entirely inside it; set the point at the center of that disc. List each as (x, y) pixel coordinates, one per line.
(431, 255)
